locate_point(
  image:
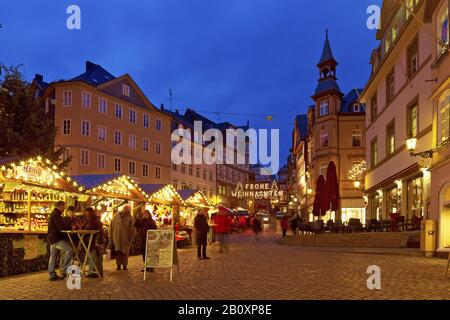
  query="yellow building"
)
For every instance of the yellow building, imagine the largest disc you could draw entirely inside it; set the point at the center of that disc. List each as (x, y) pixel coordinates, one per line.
(108, 125)
(399, 107)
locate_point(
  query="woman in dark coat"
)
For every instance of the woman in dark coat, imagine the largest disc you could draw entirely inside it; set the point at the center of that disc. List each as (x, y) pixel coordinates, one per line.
(142, 225)
(256, 226)
(93, 223)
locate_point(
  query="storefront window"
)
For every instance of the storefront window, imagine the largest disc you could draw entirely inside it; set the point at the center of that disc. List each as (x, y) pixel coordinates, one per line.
(414, 203)
(354, 213)
(375, 207)
(392, 200)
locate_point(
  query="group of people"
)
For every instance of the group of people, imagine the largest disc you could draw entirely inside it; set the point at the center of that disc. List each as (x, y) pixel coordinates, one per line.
(122, 232)
(294, 224)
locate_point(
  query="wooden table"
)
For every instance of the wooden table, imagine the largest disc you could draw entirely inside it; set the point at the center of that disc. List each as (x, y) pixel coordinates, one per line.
(87, 248)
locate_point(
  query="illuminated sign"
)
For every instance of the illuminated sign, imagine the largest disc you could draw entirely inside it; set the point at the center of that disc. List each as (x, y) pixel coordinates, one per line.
(265, 190)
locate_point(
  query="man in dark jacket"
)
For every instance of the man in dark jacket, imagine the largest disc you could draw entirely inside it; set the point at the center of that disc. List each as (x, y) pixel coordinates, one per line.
(58, 242)
(201, 229)
(142, 225)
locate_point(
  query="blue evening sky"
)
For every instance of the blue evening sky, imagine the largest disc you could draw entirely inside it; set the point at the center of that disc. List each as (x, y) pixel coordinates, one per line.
(255, 57)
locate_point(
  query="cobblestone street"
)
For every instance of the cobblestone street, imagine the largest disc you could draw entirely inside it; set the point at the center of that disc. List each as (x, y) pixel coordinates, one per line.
(253, 270)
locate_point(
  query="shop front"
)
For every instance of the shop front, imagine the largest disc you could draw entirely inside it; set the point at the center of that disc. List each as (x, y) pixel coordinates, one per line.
(28, 191)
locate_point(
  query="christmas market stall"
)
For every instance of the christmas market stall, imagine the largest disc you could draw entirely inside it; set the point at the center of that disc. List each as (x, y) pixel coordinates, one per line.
(29, 188)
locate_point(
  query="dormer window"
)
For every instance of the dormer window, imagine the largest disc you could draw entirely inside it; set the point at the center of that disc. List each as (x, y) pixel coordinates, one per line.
(126, 90)
(356, 107)
(323, 108)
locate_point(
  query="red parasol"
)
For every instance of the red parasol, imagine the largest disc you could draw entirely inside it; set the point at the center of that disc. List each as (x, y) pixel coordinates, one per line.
(332, 188)
(320, 192)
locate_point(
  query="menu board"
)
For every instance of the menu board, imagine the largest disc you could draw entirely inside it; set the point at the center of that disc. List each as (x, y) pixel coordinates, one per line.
(160, 249)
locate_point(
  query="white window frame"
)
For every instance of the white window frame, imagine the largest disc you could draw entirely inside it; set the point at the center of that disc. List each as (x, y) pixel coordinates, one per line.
(132, 141)
(131, 119)
(146, 145)
(322, 110)
(86, 97)
(132, 164)
(118, 109)
(158, 172)
(100, 128)
(83, 127)
(84, 155)
(158, 148)
(67, 98)
(146, 120)
(102, 107)
(67, 124)
(444, 117)
(117, 160)
(158, 124)
(115, 137)
(125, 90)
(357, 133)
(101, 160)
(322, 134)
(145, 169)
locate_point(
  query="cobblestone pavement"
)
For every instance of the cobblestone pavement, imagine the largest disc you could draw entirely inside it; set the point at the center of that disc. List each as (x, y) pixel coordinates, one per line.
(253, 270)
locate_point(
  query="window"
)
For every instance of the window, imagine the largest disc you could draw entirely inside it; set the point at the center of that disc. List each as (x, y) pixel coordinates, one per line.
(67, 98)
(101, 161)
(356, 107)
(190, 170)
(102, 105)
(174, 167)
(324, 107)
(132, 141)
(66, 126)
(175, 184)
(374, 152)
(373, 108)
(84, 157)
(444, 117)
(117, 137)
(413, 58)
(85, 128)
(323, 169)
(158, 172)
(126, 90)
(146, 145)
(102, 133)
(356, 138)
(158, 125)
(323, 138)
(394, 32)
(132, 116)
(210, 176)
(204, 174)
(390, 139)
(132, 167)
(146, 120)
(443, 29)
(183, 168)
(387, 44)
(410, 6)
(118, 111)
(390, 87)
(197, 172)
(66, 154)
(183, 185)
(86, 99)
(145, 168)
(117, 164)
(158, 148)
(413, 121)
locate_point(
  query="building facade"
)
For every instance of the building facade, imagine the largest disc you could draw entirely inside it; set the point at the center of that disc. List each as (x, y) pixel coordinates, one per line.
(399, 107)
(335, 133)
(107, 125)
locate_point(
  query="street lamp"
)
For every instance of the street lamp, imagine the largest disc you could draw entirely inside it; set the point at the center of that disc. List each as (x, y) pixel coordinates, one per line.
(411, 144)
(357, 184)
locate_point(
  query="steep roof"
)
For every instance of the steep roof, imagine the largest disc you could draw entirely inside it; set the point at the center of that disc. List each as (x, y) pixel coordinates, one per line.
(327, 54)
(95, 75)
(326, 85)
(349, 99)
(302, 125)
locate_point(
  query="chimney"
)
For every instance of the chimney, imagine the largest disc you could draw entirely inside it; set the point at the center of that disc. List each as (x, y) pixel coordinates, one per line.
(162, 106)
(38, 77)
(90, 66)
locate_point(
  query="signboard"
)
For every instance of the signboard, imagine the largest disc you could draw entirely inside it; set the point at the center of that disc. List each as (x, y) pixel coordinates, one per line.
(262, 190)
(31, 172)
(160, 249)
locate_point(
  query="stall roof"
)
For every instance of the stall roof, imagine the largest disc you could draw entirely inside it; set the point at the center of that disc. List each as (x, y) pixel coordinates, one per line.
(90, 181)
(164, 193)
(193, 197)
(186, 194)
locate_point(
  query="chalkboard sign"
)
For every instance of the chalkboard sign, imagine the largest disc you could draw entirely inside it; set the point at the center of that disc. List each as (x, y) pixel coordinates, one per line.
(160, 251)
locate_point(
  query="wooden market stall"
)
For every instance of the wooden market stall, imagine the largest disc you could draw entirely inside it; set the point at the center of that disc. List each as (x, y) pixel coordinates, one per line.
(29, 189)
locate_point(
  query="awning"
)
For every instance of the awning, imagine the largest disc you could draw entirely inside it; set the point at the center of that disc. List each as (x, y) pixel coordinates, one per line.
(160, 193)
(194, 198)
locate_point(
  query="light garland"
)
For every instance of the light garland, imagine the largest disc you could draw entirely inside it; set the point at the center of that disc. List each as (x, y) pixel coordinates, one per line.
(125, 181)
(357, 171)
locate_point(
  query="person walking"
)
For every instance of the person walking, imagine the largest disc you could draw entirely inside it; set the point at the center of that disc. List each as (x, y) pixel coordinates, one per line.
(201, 229)
(222, 228)
(257, 227)
(93, 223)
(294, 224)
(58, 242)
(284, 225)
(121, 234)
(142, 225)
